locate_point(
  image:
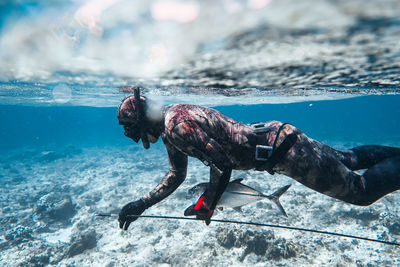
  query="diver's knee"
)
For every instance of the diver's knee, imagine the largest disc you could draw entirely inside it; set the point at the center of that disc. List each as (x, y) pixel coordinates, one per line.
(364, 202)
(361, 200)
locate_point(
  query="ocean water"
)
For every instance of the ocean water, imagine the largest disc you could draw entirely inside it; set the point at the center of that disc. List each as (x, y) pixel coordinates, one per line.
(331, 68)
(359, 119)
(61, 164)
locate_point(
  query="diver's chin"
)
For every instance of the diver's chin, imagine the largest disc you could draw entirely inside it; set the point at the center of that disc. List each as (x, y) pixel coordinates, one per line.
(152, 139)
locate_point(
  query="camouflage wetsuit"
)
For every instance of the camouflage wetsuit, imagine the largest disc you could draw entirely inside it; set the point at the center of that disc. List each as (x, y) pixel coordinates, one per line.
(225, 144)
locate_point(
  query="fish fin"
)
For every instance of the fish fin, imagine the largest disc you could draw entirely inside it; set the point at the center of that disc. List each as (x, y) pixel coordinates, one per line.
(237, 180)
(279, 205)
(275, 198)
(220, 208)
(238, 208)
(190, 211)
(278, 193)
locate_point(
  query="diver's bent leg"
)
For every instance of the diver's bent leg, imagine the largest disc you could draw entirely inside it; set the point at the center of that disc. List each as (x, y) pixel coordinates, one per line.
(381, 179)
(364, 157)
(378, 181)
(329, 171)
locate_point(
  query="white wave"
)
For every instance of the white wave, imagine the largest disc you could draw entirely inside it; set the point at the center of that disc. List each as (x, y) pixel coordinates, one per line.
(137, 38)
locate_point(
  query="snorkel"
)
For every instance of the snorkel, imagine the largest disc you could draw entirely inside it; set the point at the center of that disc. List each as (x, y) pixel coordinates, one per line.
(141, 118)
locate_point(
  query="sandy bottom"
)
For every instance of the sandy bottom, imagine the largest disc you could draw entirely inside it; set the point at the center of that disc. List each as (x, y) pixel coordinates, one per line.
(49, 198)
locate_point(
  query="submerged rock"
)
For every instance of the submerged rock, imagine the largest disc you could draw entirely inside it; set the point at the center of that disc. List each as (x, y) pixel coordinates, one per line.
(18, 235)
(40, 260)
(394, 228)
(226, 239)
(282, 249)
(82, 241)
(51, 155)
(54, 207)
(390, 221)
(260, 243)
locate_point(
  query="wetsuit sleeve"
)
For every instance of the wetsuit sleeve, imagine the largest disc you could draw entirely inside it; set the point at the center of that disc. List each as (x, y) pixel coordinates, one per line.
(172, 180)
(192, 139)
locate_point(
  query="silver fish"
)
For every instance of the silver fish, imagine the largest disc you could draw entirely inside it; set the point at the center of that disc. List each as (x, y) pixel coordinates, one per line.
(237, 195)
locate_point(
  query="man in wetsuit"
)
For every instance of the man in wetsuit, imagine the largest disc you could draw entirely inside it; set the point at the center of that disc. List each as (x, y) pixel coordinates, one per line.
(224, 144)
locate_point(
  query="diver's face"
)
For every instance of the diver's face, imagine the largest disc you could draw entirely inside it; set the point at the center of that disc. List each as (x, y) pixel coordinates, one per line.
(131, 130)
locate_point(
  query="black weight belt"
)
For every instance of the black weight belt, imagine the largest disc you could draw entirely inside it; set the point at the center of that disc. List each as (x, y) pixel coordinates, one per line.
(267, 157)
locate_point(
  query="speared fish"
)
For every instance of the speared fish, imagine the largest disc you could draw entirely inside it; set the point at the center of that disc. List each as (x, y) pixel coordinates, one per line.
(237, 195)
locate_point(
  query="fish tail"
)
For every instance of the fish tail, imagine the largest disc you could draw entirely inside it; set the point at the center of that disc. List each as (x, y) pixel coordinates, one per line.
(275, 198)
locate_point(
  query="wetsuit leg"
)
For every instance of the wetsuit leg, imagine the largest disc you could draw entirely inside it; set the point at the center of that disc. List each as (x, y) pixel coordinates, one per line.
(381, 179)
(329, 171)
(364, 157)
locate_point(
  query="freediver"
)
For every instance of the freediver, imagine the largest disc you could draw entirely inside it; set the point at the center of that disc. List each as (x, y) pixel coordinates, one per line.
(224, 144)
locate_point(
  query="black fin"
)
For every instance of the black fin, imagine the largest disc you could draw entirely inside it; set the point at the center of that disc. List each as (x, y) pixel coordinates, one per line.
(190, 211)
(238, 208)
(220, 208)
(237, 180)
(275, 198)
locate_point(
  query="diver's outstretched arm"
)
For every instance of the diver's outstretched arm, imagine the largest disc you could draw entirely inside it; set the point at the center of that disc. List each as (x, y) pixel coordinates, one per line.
(172, 180)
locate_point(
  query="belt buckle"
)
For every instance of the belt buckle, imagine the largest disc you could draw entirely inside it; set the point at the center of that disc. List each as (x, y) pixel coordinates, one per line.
(263, 152)
(260, 127)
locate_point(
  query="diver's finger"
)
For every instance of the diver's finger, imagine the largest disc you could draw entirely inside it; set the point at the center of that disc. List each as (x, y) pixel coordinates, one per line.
(207, 222)
(126, 225)
(121, 224)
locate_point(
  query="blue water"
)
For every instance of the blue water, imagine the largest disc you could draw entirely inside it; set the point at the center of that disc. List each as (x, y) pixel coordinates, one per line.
(367, 119)
(114, 170)
(66, 65)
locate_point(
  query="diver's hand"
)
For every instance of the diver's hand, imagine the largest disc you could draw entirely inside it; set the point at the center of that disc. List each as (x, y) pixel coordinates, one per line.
(200, 210)
(132, 208)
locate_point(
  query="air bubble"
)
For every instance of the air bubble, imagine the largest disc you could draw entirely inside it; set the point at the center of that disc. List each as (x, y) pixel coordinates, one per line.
(62, 94)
